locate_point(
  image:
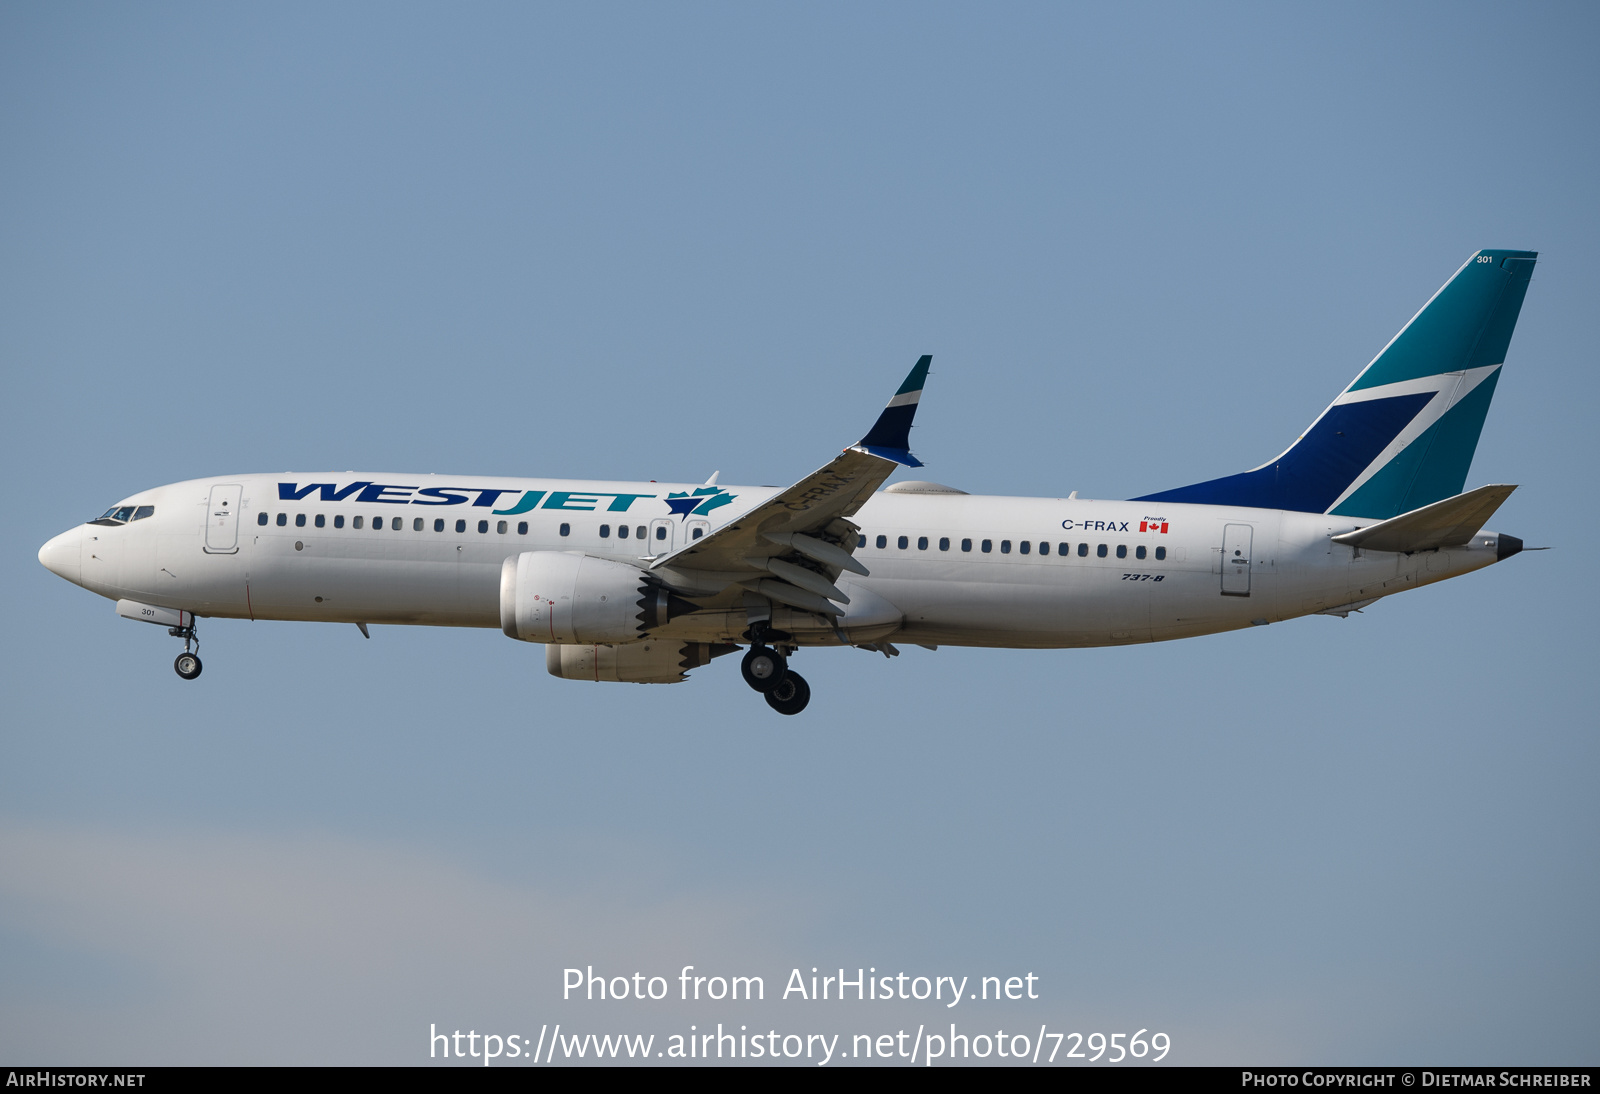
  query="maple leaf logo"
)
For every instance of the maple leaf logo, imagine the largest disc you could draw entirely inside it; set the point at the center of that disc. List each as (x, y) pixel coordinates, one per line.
(699, 502)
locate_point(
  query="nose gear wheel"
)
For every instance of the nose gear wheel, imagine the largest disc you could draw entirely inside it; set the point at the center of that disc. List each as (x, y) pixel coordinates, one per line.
(187, 664)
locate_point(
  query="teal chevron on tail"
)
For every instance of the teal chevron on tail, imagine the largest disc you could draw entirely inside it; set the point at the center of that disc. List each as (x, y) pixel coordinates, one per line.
(1402, 435)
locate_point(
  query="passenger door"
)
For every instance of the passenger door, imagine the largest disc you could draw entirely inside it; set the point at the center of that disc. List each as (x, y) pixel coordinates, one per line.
(222, 519)
(1236, 560)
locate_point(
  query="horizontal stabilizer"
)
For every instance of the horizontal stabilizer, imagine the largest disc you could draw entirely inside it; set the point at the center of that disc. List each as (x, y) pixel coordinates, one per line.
(1447, 523)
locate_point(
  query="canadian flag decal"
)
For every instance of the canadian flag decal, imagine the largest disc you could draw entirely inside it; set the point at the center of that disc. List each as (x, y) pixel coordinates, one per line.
(1155, 524)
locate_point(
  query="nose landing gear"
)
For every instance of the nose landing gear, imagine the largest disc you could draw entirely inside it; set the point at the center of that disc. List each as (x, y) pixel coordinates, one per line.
(187, 664)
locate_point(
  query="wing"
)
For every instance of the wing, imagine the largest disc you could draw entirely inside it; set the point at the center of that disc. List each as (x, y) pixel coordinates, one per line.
(792, 547)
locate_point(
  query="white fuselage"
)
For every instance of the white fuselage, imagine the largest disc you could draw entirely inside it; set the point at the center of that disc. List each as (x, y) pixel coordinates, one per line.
(383, 561)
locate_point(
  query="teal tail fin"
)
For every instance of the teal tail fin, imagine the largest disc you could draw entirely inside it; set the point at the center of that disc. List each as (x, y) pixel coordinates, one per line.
(1402, 435)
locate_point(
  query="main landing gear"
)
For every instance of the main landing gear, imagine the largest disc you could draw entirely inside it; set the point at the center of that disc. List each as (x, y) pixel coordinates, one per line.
(791, 695)
(187, 664)
(763, 668)
(767, 670)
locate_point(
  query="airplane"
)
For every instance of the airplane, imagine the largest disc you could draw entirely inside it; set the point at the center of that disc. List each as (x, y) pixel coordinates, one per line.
(644, 581)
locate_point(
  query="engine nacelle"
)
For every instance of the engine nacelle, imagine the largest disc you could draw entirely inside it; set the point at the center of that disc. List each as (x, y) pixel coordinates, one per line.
(561, 598)
(651, 661)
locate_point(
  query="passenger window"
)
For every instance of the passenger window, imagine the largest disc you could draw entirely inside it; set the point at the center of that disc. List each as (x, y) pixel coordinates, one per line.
(1083, 550)
(1161, 554)
(416, 524)
(988, 545)
(1063, 549)
(661, 531)
(522, 527)
(883, 541)
(322, 521)
(638, 532)
(1044, 548)
(1138, 552)
(566, 529)
(922, 543)
(338, 521)
(356, 523)
(605, 531)
(861, 541)
(438, 524)
(377, 524)
(501, 528)
(261, 518)
(483, 528)
(1100, 551)
(283, 520)
(622, 531)
(1024, 547)
(1122, 550)
(299, 520)
(944, 543)
(966, 545)
(1005, 546)
(461, 526)
(698, 532)
(144, 511)
(903, 542)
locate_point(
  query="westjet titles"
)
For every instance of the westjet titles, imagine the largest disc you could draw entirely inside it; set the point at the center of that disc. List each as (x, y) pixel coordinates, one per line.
(700, 501)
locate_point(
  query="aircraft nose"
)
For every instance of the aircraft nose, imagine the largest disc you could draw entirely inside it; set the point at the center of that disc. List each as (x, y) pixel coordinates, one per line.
(63, 555)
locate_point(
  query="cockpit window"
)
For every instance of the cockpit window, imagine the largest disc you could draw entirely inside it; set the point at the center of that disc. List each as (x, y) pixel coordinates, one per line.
(118, 514)
(144, 511)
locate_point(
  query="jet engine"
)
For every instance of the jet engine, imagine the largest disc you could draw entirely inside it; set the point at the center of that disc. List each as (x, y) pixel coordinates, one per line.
(562, 598)
(651, 661)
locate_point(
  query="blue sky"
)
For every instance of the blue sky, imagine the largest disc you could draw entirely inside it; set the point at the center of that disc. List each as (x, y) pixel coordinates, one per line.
(1145, 246)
